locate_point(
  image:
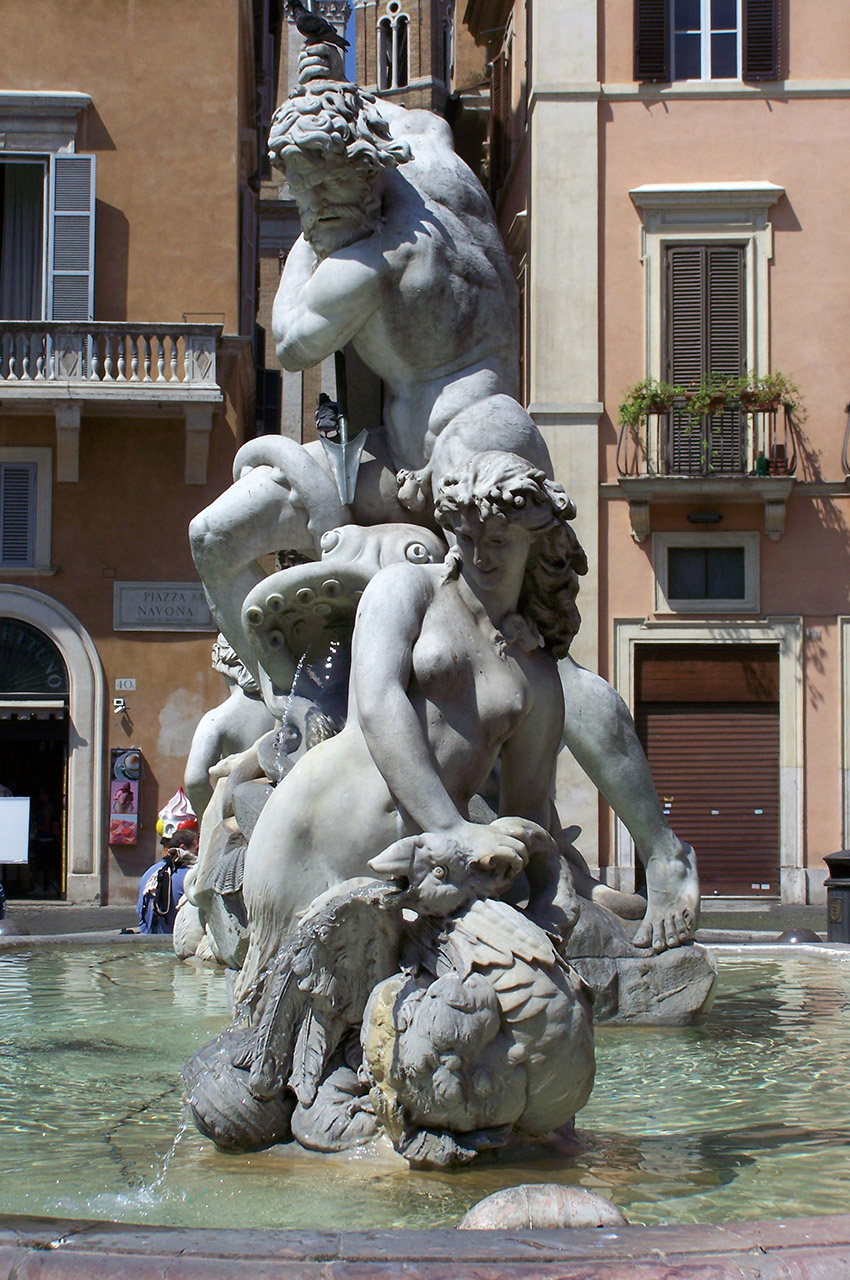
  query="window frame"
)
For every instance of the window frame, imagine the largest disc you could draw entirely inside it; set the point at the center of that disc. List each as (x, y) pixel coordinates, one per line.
(748, 541)
(42, 508)
(726, 213)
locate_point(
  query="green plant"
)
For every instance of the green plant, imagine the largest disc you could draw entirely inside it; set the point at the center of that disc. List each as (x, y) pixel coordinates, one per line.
(708, 398)
(769, 391)
(648, 396)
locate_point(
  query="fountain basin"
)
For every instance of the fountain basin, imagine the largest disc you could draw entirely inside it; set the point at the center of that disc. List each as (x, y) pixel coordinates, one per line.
(742, 1117)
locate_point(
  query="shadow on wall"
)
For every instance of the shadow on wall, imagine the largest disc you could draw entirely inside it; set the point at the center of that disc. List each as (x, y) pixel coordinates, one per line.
(112, 250)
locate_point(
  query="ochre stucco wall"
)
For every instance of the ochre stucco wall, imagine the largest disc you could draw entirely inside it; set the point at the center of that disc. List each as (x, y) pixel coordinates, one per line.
(164, 126)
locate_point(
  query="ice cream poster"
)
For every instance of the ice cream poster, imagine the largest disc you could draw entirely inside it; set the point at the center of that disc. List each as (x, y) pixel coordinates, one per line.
(124, 796)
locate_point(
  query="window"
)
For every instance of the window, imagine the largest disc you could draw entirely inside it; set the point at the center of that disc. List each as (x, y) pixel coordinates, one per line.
(706, 251)
(707, 40)
(47, 237)
(25, 504)
(705, 573)
(392, 49)
(700, 574)
(704, 324)
(22, 239)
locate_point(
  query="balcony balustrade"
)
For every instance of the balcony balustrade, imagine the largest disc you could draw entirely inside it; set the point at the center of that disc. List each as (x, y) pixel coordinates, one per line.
(100, 367)
(731, 442)
(735, 455)
(97, 354)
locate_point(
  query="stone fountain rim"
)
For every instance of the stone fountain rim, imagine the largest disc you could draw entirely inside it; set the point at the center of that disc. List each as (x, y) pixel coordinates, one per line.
(61, 1249)
(79, 1249)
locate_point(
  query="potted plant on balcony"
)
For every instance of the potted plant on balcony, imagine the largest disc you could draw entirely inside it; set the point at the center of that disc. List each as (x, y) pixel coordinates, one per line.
(648, 396)
(706, 399)
(766, 393)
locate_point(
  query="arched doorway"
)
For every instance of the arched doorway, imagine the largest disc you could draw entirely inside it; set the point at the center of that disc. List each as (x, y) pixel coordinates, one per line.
(52, 693)
(34, 753)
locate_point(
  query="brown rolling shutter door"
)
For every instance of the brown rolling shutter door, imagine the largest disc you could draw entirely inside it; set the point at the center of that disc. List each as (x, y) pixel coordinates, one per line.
(716, 771)
(652, 40)
(708, 718)
(705, 339)
(762, 55)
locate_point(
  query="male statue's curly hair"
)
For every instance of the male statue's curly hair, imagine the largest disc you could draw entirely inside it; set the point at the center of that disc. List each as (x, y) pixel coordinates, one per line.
(504, 486)
(335, 119)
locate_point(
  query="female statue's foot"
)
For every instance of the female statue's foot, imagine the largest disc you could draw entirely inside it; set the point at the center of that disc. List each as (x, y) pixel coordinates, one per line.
(672, 908)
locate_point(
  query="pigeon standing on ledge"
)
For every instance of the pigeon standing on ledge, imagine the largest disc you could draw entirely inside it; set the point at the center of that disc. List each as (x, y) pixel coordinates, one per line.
(314, 28)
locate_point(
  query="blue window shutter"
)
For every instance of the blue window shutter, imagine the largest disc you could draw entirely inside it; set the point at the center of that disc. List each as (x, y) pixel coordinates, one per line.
(70, 275)
(17, 513)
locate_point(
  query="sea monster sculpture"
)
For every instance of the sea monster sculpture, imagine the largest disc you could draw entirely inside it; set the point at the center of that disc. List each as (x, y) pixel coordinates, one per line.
(447, 1034)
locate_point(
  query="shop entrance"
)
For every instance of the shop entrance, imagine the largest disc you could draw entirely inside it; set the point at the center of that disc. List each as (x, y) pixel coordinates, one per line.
(708, 719)
(34, 754)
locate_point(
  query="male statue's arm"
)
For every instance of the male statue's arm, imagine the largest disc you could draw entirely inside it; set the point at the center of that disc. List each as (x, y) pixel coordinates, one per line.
(320, 306)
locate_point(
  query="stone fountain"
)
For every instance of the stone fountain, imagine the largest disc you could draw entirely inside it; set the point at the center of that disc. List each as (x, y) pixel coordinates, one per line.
(419, 950)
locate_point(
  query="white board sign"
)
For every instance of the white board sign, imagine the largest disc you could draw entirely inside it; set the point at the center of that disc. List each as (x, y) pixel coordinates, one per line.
(161, 606)
(14, 828)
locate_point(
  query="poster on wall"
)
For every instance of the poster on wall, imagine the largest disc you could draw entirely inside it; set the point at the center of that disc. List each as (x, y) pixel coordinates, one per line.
(124, 795)
(14, 828)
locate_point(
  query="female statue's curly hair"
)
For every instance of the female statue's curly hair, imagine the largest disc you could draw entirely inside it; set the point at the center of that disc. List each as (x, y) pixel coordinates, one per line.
(504, 486)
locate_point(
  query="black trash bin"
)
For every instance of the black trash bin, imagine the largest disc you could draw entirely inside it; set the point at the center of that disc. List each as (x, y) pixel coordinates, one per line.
(838, 896)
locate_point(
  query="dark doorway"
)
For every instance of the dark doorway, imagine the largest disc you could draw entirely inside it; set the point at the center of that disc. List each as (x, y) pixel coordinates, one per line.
(708, 719)
(34, 754)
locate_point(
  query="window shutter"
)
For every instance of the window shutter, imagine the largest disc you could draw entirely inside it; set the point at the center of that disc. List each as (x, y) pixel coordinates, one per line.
(70, 277)
(652, 40)
(17, 513)
(761, 47)
(500, 107)
(705, 331)
(684, 323)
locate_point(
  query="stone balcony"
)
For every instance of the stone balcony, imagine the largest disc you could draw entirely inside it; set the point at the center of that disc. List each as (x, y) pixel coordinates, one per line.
(732, 456)
(71, 368)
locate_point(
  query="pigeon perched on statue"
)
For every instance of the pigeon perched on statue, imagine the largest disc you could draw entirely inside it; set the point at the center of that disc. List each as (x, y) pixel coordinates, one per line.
(314, 28)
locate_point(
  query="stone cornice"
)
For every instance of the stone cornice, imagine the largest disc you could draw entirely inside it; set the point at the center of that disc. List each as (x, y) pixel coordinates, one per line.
(702, 90)
(687, 195)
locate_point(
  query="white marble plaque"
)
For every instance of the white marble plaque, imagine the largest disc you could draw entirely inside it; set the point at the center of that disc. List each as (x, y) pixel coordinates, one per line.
(161, 606)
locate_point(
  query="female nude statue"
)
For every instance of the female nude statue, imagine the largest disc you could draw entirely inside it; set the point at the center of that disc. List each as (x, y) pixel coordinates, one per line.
(453, 667)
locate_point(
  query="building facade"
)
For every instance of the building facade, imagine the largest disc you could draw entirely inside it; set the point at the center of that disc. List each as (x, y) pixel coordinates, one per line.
(667, 178)
(130, 145)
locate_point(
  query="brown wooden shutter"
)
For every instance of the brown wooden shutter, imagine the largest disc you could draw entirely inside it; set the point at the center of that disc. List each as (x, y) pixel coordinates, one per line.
(500, 106)
(652, 40)
(704, 323)
(761, 47)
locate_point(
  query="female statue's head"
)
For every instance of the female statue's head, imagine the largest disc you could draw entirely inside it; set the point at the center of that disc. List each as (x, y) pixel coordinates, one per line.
(505, 488)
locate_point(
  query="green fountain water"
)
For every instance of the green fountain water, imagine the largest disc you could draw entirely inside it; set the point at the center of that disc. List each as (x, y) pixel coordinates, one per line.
(743, 1117)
